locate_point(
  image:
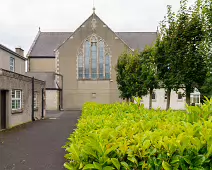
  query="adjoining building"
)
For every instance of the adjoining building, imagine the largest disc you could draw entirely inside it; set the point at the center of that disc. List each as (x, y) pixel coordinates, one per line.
(21, 97)
(83, 64)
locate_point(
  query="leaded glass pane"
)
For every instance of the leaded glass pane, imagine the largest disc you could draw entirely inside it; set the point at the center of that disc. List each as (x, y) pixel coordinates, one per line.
(107, 67)
(101, 60)
(80, 67)
(94, 60)
(87, 59)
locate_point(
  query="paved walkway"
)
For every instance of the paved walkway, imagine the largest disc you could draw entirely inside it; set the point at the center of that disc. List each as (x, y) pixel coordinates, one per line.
(37, 145)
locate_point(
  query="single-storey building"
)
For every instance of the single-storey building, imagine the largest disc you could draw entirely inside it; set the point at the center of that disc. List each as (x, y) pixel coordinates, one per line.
(21, 97)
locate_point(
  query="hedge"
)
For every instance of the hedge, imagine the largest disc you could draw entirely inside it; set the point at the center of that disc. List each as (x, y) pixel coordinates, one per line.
(127, 136)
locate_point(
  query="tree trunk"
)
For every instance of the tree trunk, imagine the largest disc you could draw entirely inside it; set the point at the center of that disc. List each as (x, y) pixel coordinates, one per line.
(188, 99)
(128, 100)
(168, 99)
(150, 98)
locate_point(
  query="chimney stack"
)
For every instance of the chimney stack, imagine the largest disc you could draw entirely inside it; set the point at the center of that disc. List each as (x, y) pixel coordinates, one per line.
(19, 51)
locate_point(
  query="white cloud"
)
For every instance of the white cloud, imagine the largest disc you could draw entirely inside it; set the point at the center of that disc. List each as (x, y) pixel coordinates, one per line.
(20, 19)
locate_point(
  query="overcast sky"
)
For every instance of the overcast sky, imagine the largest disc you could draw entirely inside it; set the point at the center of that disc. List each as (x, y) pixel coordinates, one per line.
(20, 19)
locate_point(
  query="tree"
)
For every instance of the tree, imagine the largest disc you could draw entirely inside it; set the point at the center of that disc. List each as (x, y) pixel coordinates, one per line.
(165, 56)
(206, 48)
(129, 75)
(121, 76)
(189, 30)
(149, 71)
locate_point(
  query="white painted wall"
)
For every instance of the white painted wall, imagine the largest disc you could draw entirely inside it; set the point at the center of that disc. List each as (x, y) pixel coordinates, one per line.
(52, 100)
(160, 101)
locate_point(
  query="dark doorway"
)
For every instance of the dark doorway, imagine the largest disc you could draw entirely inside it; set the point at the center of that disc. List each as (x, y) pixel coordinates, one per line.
(3, 109)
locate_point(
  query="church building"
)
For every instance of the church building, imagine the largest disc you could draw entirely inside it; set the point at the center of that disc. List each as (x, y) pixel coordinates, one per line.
(79, 66)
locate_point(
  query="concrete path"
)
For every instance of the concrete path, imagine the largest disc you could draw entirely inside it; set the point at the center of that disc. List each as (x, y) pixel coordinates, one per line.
(37, 145)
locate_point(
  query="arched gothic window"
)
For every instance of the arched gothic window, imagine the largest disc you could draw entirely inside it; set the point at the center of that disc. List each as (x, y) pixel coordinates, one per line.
(94, 59)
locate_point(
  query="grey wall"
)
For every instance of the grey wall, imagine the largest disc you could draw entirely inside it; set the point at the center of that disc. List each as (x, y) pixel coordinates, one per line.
(9, 81)
(5, 62)
(76, 93)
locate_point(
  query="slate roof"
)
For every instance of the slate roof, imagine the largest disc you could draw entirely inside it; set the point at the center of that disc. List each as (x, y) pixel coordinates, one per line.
(11, 52)
(138, 40)
(47, 42)
(48, 77)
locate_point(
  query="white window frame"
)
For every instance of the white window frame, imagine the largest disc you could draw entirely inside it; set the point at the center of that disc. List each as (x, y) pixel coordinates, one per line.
(15, 98)
(12, 64)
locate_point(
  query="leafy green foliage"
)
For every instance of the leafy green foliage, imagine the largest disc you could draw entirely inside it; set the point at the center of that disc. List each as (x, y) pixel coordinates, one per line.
(149, 71)
(121, 76)
(165, 57)
(193, 68)
(121, 136)
(129, 75)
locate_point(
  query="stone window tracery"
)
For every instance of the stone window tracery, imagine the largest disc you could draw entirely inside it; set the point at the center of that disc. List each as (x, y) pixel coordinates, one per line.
(94, 59)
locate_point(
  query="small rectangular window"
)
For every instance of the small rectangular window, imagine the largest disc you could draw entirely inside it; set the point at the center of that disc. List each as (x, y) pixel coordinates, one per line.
(165, 96)
(12, 64)
(16, 99)
(153, 96)
(180, 96)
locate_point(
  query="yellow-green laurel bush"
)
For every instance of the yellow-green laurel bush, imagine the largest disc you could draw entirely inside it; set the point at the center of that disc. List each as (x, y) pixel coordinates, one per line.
(128, 137)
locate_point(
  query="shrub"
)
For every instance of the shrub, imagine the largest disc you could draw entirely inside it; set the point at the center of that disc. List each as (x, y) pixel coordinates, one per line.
(121, 136)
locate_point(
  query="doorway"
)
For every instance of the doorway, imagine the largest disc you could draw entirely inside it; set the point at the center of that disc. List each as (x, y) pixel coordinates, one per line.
(3, 109)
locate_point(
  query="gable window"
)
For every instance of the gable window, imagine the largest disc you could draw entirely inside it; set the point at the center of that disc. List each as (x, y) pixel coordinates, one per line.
(94, 60)
(12, 64)
(16, 99)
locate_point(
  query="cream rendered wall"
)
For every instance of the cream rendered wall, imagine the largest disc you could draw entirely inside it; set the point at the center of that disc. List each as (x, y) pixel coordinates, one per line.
(5, 62)
(42, 65)
(160, 101)
(75, 92)
(52, 100)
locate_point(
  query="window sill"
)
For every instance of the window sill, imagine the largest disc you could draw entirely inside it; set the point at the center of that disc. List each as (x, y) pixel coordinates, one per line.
(154, 100)
(18, 111)
(179, 100)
